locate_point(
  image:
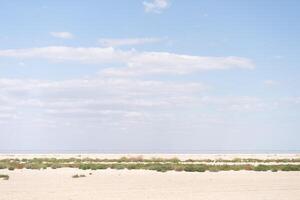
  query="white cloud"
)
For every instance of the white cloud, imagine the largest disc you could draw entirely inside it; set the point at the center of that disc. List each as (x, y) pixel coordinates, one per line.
(62, 35)
(110, 42)
(156, 6)
(135, 63)
(92, 99)
(169, 63)
(63, 53)
(107, 106)
(112, 97)
(113, 100)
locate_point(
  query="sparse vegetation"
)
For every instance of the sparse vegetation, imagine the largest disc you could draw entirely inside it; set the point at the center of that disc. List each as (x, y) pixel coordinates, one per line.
(261, 168)
(156, 164)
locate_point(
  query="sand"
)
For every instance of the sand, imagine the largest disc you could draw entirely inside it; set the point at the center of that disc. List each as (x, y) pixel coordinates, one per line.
(58, 184)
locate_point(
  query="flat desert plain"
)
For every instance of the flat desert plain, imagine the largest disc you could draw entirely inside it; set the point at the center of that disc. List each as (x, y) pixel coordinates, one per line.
(58, 184)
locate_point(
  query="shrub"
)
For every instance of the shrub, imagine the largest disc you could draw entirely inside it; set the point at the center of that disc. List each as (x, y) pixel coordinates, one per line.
(195, 168)
(11, 168)
(291, 168)
(161, 167)
(248, 167)
(157, 164)
(78, 176)
(4, 176)
(84, 166)
(174, 160)
(237, 160)
(118, 166)
(33, 166)
(261, 168)
(54, 166)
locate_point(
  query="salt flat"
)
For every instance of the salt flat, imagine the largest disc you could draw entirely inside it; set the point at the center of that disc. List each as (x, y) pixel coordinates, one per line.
(58, 184)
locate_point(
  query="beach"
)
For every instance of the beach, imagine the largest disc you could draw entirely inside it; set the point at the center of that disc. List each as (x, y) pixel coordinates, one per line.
(140, 184)
(111, 184)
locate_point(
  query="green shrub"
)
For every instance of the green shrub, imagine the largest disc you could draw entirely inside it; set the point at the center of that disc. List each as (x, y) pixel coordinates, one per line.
(33, 166)
(4, 176)
(174, 160)
(84, 166)
(118, 166)
(291, 168)
(157, 164)
(195, 168)
(55, 166)
(160, 167)
(261, 168)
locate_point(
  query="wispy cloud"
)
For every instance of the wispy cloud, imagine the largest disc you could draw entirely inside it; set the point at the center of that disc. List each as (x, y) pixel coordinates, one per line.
(62, 35)
(135, 62)
(156, 6)
(111, 42)
(98, 98)
(177, 64)
(110, 100)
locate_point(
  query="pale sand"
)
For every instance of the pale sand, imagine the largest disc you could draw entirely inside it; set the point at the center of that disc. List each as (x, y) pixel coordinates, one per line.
(139, 185)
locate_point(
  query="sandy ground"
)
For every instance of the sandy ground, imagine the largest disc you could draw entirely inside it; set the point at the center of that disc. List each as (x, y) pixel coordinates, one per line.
(58, 184)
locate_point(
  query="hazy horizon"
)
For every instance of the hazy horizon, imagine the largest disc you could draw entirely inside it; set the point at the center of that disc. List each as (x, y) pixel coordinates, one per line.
(126, 151)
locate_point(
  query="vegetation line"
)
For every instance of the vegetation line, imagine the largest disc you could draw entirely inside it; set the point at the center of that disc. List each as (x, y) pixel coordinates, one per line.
(161, 165)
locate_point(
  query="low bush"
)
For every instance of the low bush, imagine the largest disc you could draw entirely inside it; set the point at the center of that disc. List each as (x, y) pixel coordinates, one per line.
(78, 176)
(290, 168)
(261, 168)
(4, 176)
(11, 168)
(195, 168)
(160, 167)
(157, 164)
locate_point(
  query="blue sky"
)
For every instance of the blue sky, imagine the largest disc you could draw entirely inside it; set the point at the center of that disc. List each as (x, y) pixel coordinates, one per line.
(152, 75)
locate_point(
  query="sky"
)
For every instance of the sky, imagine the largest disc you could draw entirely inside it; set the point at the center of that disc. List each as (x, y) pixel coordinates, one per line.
(149, 76)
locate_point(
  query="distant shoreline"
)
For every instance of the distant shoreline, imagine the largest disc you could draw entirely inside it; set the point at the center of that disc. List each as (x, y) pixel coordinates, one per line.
(38, 151)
